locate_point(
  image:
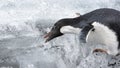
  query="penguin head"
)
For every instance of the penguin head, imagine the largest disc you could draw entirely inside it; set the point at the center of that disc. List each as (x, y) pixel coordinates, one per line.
(60, 28)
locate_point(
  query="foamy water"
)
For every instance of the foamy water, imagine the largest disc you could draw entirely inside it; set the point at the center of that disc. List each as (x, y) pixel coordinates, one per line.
(23, 24)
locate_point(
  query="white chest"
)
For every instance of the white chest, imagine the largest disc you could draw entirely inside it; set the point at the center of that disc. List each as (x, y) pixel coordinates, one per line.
(104, 35)
(101, 35)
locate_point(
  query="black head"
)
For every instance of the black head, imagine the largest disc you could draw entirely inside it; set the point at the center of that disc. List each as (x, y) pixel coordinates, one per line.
(55, 31)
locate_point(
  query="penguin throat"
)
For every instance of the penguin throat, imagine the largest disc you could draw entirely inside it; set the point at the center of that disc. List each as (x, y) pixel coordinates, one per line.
(70, 30)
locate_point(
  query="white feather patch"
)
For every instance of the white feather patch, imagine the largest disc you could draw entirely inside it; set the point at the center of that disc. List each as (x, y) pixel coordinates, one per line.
(104, 35)
(70, 30)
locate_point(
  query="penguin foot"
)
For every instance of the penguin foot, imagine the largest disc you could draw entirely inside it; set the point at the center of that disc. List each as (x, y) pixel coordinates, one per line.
(100, 50)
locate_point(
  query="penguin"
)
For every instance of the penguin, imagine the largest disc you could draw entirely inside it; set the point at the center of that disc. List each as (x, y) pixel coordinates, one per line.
(100, 26)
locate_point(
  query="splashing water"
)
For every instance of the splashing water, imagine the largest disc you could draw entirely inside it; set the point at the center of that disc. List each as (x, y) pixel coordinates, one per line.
(23, 24)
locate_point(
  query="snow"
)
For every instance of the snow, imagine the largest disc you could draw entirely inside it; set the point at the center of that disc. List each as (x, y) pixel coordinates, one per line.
(23, 24)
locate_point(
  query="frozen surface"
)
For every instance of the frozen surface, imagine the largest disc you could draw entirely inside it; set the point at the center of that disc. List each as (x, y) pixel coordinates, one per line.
(23, 24)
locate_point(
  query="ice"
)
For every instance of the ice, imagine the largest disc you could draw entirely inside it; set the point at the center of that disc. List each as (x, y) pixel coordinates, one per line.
(23, 23)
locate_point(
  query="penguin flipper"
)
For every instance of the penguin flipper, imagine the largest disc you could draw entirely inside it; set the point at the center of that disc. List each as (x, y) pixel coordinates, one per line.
(85, 32)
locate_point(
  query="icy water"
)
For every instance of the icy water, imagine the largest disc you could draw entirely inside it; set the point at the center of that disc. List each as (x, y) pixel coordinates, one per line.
(23, 23)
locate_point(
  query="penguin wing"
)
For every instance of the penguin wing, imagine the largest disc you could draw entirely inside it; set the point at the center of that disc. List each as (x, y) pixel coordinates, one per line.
(85, 32)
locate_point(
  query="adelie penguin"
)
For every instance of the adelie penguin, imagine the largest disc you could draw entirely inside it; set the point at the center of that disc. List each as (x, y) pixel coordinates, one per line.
(100, 26)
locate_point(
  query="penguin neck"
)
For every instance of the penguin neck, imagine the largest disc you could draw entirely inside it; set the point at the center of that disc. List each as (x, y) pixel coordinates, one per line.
(72, 28)
(77, 19)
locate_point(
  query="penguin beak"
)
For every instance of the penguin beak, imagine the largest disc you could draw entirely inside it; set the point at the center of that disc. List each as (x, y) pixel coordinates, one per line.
(51, 35)
(48, 37)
